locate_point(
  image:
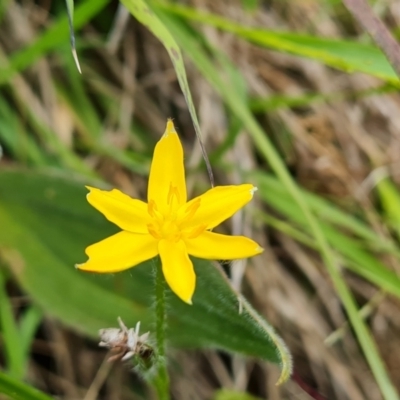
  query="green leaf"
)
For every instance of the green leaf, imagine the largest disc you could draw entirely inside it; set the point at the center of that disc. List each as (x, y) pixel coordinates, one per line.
(10, 334)
(47, 223)
(250, 5)
(30, 321)
(341, 54)
(70, 12)
(226, 394)
(18, 390)
(70, 8)
(390, 199)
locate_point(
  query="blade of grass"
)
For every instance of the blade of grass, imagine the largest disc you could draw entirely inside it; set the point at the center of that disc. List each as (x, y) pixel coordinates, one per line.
(227, 394)
(10, 333)
(228, 92)
(15, 138)
(276, 102)
(3, 8)
(57, 153)
(29, 323)
(341, 54)
(18, 390)
(328, 212)
(362, 12)
(390, 200)
(353, 256)
(70, 13)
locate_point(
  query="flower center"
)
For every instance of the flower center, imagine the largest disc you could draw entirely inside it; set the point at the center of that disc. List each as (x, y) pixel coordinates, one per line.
(172, 224)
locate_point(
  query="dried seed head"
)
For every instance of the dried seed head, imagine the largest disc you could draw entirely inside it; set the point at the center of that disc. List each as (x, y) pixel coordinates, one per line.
(125, 343)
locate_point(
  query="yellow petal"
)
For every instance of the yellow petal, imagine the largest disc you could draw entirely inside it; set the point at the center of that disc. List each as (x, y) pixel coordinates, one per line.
(218, 204)
(167, 173)
(178, 269)
(129, 214)
(118, 252)
(213, 246)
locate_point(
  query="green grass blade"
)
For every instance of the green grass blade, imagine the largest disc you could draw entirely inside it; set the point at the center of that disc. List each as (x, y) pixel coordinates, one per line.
(70, 13)
(15, 138)
(275, 102)
(390, 200)
(325, 211)
(18, 390)
(355, 257)
(226, 394)
(10, 333)
(341, 54)
(28, 326)
(3, 7)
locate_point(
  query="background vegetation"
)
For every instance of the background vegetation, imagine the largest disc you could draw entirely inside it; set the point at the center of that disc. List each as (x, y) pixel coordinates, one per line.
(293, 96)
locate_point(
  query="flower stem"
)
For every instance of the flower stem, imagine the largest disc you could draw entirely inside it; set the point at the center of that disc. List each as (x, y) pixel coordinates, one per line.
(161, 380)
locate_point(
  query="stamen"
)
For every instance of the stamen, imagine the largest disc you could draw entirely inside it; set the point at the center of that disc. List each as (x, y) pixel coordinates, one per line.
(153, 231)
(190, 211)
(151, 208)
(196, 232)
(173, 192)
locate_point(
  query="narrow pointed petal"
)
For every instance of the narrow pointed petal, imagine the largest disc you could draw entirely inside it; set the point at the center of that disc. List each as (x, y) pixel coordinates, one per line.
(167, 172)
(127, 213)
(213, 246)
(218, 204)
(178, 269)
(118, 252)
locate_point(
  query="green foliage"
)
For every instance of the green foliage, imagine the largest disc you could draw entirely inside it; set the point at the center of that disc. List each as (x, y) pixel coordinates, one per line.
(18, 390)
(52, 38)
(355, 241)
(341, 54)
(226, 394)
(17, 338)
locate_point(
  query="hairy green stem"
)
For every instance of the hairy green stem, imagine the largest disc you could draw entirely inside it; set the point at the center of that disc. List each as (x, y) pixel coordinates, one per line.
(161, 380)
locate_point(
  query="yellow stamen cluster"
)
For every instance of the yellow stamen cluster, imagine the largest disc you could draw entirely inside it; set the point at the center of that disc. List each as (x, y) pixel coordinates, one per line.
(171, 225)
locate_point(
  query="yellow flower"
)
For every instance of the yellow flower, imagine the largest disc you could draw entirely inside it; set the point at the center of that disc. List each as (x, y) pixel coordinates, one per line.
(168, 224)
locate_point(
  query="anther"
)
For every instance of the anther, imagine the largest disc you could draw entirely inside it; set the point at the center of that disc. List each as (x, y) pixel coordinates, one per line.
(190, 211)
(151, 208)
(173, 192)
(196, 232)
(153, 231)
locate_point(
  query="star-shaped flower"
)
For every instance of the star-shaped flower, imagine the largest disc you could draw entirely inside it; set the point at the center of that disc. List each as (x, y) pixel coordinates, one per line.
(169, 225)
